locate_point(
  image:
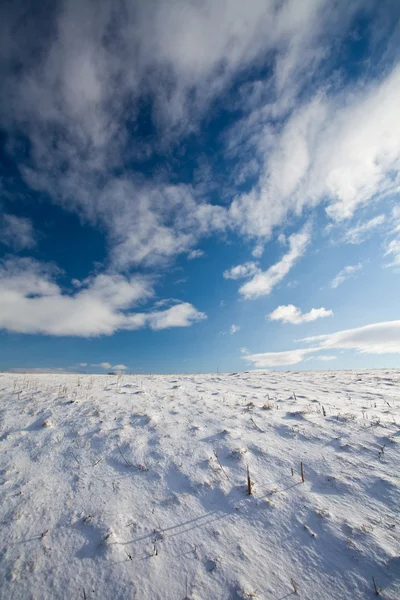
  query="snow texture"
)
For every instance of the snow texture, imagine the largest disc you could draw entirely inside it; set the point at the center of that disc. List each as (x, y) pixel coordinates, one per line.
(133, 486)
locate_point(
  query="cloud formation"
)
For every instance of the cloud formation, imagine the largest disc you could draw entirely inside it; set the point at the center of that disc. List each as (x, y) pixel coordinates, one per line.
(32, 302)
(16, 232)
(264, 282)
(346, 273)
(85, 73)
(265, 360)
(247, 269)
(392, 243)
(195, 254)
(360, 232)
(339, 148)
(377, 338)
(292, 314)
(106, 366)
(104, 94)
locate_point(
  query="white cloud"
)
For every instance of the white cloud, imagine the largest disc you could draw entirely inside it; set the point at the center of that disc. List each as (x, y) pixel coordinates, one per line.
(195, 254)
(244, 350)
(74, 113)
(247, 269)
(278, 359)
(377, 338)
(292, 314)
(325, 357)
(74, 89)
(360, 232)
(234, 329)
(83, 364)
(180, 315)
(75, 98)
(346, 273)
(282, 239)
(31, 302)
(103, 365)
(106, 366)
(264, 282)
(16, 232)
(341, 149)
(258, 251)
(393, 251)
(392, 242)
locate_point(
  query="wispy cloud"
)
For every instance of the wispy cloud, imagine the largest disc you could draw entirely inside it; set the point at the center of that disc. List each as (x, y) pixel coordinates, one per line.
(86, 75)
(264, 282)
(377, 338)
(16, 232)
(195, 254)
(346, 273)
(392, 242)
(76, 95)
(292, 314)
(393, 251)
(265, 360)
(341, 149)
(360, 232)
(234, 329)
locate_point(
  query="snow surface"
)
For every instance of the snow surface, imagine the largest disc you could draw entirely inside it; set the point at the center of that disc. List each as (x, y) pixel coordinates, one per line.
(133, 486)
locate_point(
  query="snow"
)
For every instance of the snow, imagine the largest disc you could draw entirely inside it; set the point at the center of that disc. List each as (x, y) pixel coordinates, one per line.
(136, 486)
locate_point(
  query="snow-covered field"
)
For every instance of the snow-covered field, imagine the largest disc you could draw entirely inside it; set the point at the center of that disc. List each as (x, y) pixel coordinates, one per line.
(120, 487)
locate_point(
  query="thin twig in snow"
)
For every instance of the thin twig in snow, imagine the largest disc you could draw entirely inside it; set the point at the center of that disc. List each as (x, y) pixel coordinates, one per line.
(375, 586)
(125, 459)
(256, 426)
(249, 483)
(219, 462)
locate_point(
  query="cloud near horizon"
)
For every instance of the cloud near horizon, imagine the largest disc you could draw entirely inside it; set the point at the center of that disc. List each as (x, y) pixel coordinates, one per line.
(106, 366)
(377, 338)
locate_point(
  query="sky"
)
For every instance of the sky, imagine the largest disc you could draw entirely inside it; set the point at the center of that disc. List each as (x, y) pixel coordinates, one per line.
(199, 186)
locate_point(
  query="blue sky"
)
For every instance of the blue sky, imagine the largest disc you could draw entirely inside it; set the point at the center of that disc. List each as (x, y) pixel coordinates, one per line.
(200, 186)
